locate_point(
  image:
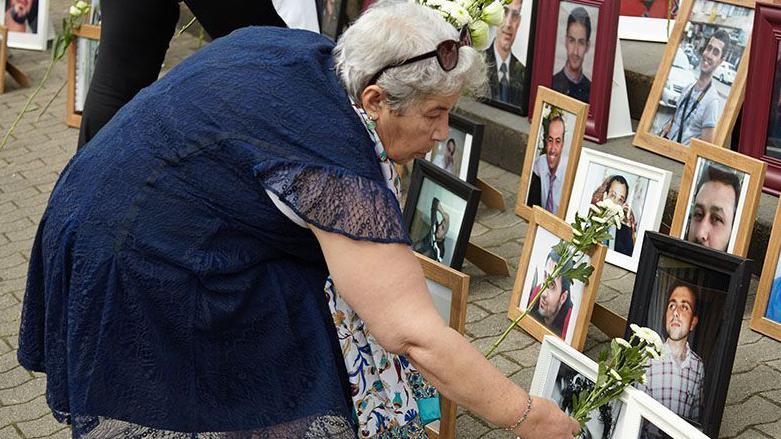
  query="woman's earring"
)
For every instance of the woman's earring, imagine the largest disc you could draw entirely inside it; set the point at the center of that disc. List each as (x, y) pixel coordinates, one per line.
(372, 124)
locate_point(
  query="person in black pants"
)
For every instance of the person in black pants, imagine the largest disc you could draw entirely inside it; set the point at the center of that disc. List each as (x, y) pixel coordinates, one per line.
(133, 42)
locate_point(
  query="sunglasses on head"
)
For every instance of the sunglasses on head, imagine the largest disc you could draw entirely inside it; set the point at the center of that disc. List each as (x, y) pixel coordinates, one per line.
(446, 54)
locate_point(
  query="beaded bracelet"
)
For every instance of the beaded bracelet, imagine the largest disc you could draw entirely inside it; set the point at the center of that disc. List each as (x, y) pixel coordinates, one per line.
(522, 419)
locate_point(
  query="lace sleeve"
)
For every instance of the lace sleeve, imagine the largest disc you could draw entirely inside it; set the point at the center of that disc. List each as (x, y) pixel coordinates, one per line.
(336, 200)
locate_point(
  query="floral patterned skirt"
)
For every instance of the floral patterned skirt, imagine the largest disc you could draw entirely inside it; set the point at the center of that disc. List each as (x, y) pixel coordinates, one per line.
(385, 387)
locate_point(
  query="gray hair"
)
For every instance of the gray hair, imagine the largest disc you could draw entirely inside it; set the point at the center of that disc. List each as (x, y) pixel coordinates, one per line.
(390, 32)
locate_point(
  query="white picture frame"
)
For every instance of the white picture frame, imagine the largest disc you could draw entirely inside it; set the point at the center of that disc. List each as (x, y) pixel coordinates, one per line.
(554, 353)
(647, 189)
(641, 406)
(28, 40)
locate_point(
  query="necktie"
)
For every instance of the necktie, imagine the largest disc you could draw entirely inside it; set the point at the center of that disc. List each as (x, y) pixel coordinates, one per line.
(549, 201)
(504, 84)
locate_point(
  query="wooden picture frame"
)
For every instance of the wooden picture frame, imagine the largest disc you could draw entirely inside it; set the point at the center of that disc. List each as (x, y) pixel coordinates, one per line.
(760, 132)
(545, 231)
(641, 408)
(434, 192)
(551, 34)
(574, 115)
(717, 285)
(645, 195)
(446, 285)
(766, 319)
(522, 48)
(676, 75)
(31, 33)
(3, 56)
(701, 156)
(468, 148)
(332, 17)
(91, 32)
(559, 364)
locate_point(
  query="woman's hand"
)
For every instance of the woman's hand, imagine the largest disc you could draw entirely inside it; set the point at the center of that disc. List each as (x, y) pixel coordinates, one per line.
(547, 421)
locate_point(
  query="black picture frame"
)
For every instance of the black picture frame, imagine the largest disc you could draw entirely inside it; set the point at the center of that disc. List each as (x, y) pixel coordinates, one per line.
(331, 25)
(523, 108)
(422, 171)
(716, 337)
(474, 129)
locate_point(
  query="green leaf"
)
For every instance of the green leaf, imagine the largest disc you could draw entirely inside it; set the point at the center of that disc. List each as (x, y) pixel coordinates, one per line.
(60, 45)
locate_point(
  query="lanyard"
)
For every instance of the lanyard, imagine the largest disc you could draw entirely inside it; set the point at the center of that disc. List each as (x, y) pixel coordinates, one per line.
(686, 115)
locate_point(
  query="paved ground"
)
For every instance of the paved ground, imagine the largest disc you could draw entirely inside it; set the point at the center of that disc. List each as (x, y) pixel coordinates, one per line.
(29, 166)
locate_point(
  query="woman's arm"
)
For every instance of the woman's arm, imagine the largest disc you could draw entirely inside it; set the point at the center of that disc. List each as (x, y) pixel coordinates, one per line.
(384, 284)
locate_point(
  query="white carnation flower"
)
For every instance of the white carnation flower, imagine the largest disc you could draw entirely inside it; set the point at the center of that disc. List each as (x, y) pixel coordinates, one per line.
(459, 16)
(74, 11)
(649, 336)
(652, 352)
(479, 33)
(493, 14)
(615, 375)
(595, 209)
(643, 379)
(622, 342)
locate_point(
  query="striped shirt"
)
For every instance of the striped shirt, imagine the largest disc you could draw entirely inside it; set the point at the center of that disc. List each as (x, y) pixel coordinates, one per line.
(677, 385)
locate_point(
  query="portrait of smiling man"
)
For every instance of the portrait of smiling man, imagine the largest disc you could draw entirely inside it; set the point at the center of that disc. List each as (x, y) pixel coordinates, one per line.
(712, 215)
(699, 105)
(549, 169)
(22, 16)
(571, 80)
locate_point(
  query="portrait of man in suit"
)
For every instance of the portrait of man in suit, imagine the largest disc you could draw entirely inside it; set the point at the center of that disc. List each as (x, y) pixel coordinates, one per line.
(505, 71)
(549, 168)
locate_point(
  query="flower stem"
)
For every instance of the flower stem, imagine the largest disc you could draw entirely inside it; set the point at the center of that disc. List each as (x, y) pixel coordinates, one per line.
(28, 103)
(48, 104)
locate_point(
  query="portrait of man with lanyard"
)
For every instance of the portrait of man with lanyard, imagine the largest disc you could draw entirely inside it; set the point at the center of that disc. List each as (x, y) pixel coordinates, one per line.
(700, 108)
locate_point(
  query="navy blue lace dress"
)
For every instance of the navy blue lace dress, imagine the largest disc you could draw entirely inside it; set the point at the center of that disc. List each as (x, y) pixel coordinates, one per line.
(166, 292)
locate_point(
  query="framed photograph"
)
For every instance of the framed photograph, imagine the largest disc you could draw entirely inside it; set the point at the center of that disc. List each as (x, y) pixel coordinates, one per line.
(332, 18)
(561, 373)
(760, 132)
(694, 298)
(640, 189)
(460, 153)
(439, 212)
(552, 153)
(450, 290)
(27, 22)
(646, 418)
(509, 56)
(574, 55)
(766, 315)
(699, 87)
(564, 309)
(718, 198)
(647, 20)
(82, 56)
(3, 56)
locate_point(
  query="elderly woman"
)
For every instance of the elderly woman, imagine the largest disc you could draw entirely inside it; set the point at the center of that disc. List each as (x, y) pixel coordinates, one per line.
(179, 282)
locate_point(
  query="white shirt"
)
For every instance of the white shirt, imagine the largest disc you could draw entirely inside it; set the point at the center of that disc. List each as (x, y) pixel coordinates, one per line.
(541, 170)
(499, 62)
